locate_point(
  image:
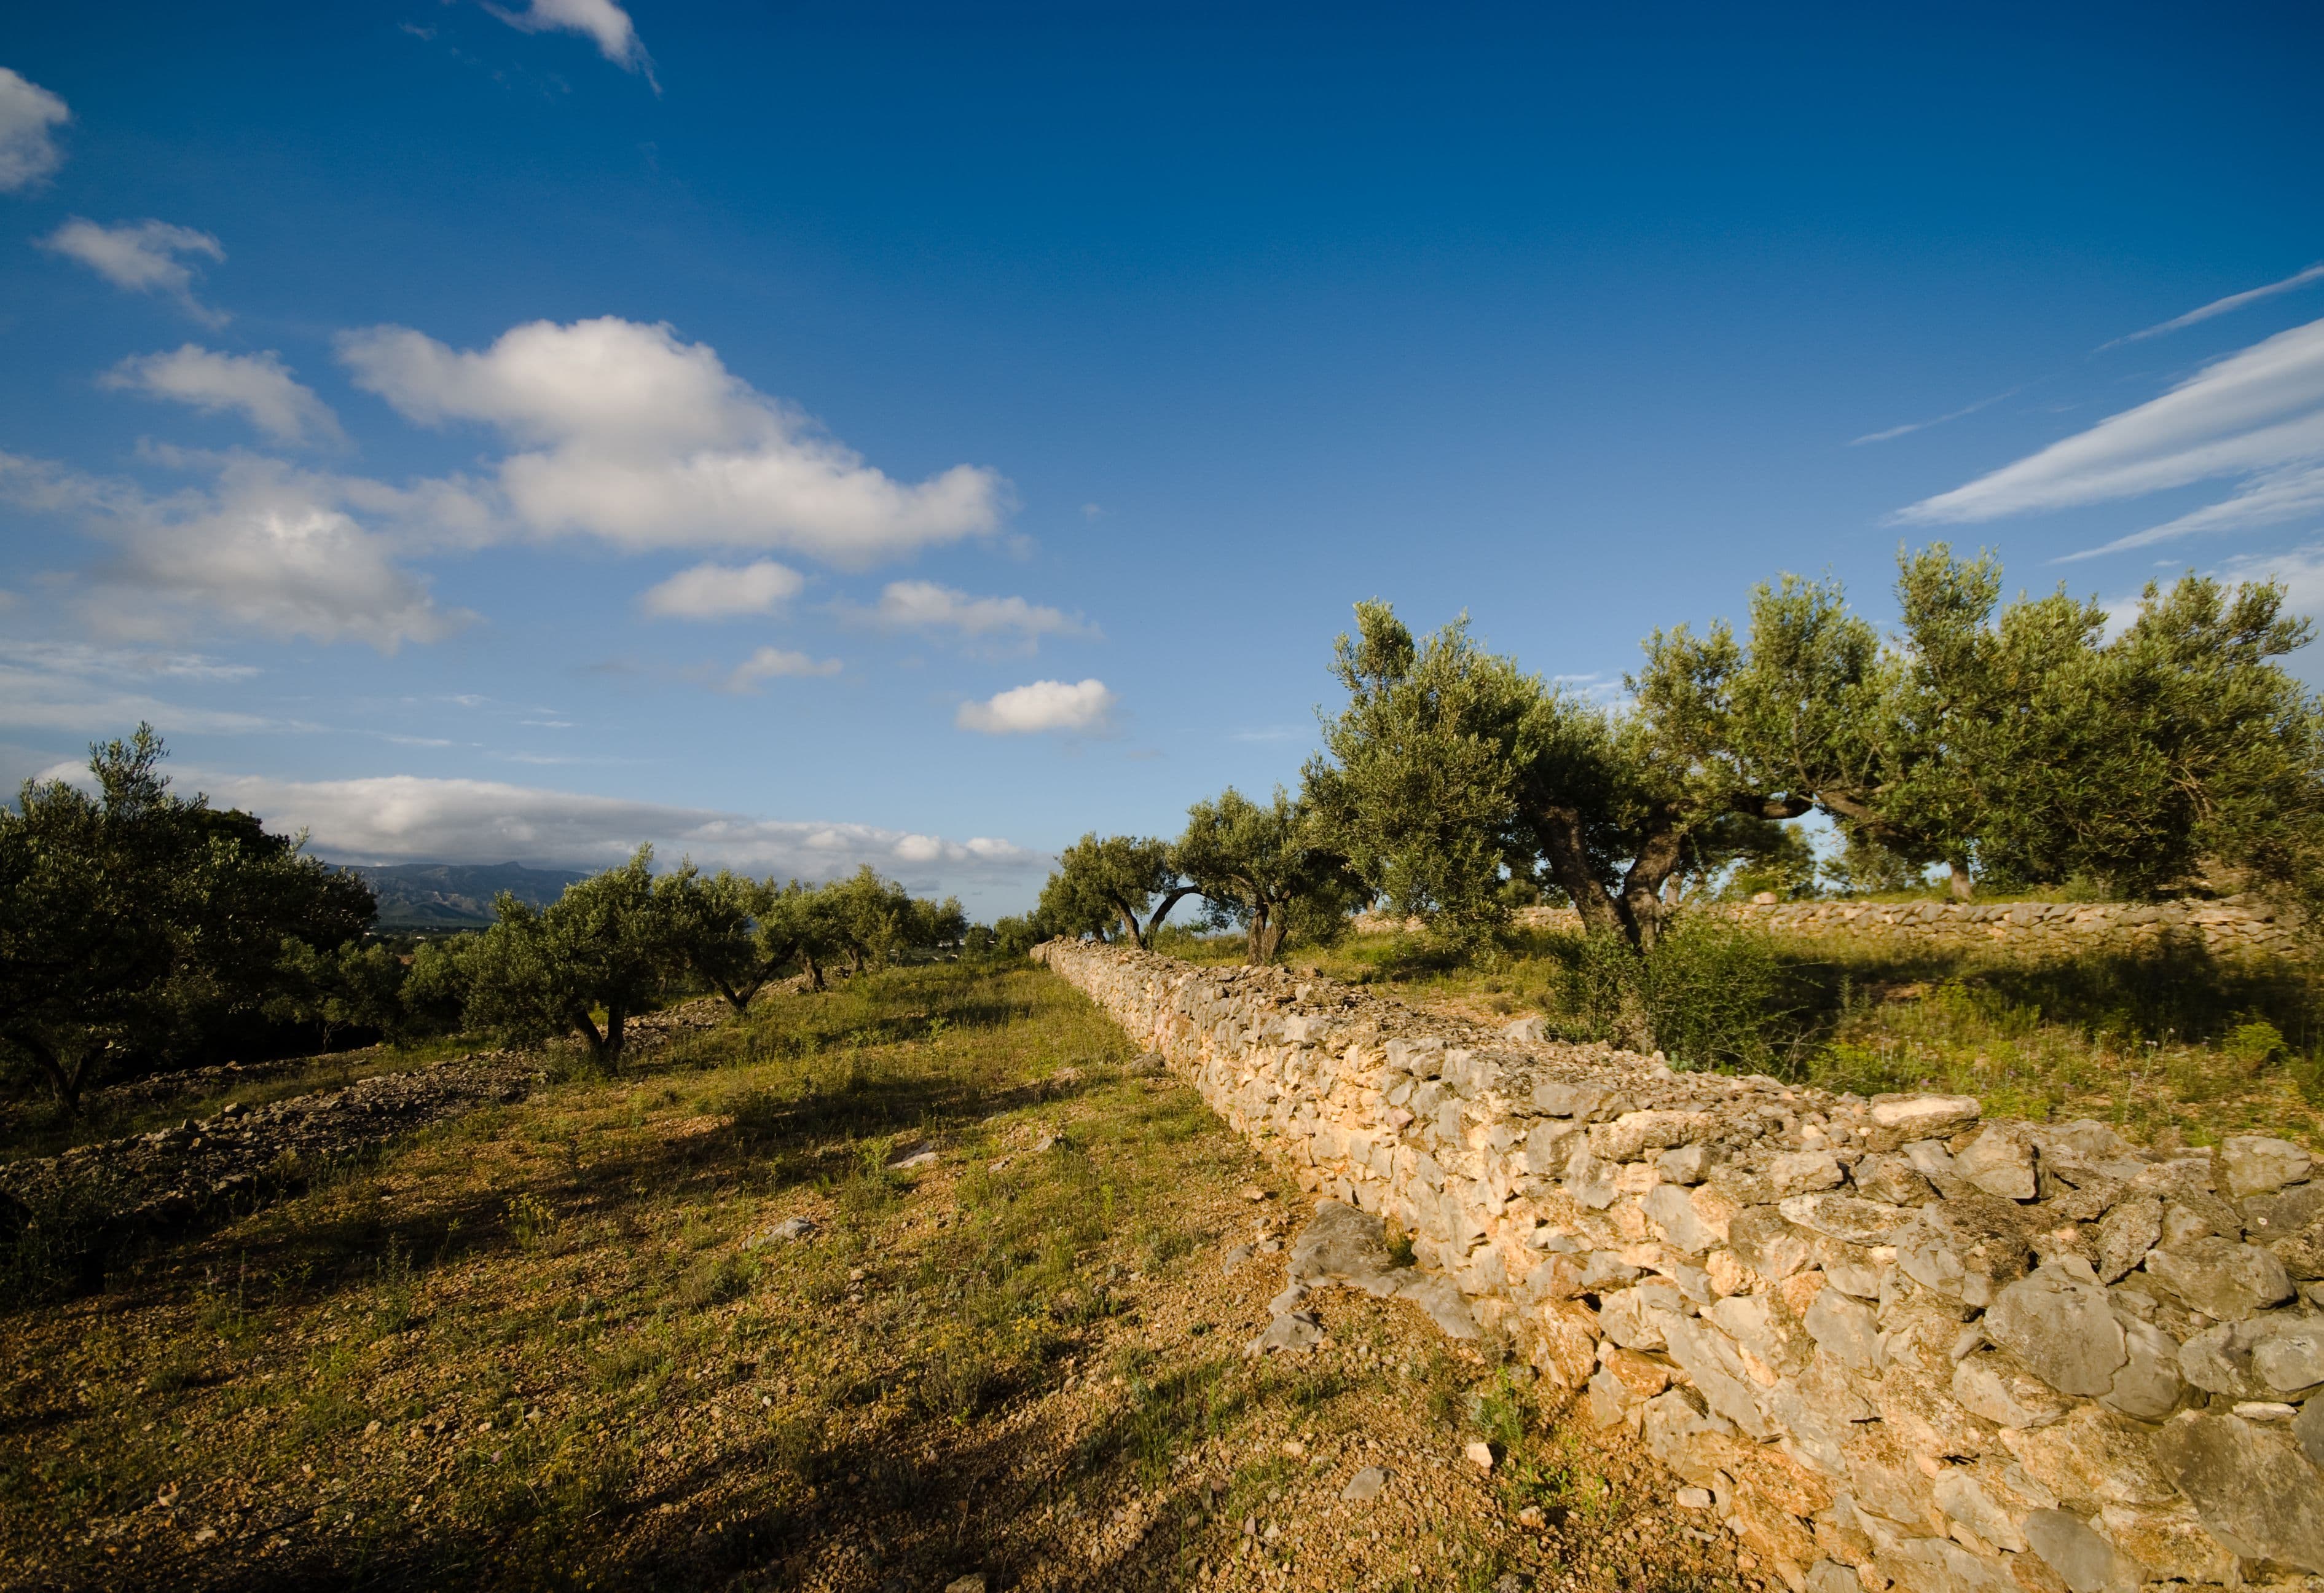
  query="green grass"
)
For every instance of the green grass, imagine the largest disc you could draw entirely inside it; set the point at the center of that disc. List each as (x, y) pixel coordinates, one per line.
(2170, 1043)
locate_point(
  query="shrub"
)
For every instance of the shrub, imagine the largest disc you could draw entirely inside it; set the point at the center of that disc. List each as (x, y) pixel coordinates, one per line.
(1711, 993)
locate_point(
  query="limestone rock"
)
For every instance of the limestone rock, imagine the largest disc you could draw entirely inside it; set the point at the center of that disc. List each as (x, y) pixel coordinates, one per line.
(2224, 1279)
(1293, 1330)
(2092, 1457)
(1367, 1483)
(2000, 1162)
(2265, 1356)
(1844, 1218)
(1686, 1164)
(1800, 1173)
(1673, 1212)
(1847, 1330)
(1965, 1248)
(2169, 1541)
(2290, 1359)
(2256, 1164)
(1999, 1387)
(1768, 1244)
(1634, 1317)
(1962, 1499)
(2272, 1217)
(2256, 1491)
(2086, 1561)
(2147, 1386)
(1906, 1117)
(1893, 1180)
(2302, 1255)
(2127, 1233)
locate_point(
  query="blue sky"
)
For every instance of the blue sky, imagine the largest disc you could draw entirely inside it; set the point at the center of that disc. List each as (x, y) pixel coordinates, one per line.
(806, 435)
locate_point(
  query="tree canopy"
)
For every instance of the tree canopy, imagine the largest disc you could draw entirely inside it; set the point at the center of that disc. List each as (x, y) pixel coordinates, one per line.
(2018, 743)
(134, 922)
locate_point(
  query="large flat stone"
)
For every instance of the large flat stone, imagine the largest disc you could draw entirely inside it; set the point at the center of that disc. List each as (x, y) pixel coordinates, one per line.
(2084, 1561)
(2258, 1164)
(2063, 1330)
(2255, 1488)
(2224, 1279)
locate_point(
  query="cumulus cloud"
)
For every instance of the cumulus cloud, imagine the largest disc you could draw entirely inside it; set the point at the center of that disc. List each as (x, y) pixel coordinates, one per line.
(924, 605)
(770, 663)
(27, 151)
(400, 818)
(258, 386)
(265, 548)
(2257, 415)
(1044, 705)
(608, 24)
(628, 434)
(718, 591)
(2298, 279)
(141, 257)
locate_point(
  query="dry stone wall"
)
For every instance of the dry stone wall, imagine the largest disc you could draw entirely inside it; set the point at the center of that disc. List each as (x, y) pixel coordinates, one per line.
(1898, 1344)
(2228, 928)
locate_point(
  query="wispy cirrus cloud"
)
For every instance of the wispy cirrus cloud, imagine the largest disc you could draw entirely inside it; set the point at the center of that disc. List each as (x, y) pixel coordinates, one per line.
(1909, 427)
(29, 116)
(141, 257)
(2255, 416)
(2233, 301)
(77, 688)
(258, 386)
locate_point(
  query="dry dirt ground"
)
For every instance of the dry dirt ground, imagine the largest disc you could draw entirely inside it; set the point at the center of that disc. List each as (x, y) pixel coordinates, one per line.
(568, 1343)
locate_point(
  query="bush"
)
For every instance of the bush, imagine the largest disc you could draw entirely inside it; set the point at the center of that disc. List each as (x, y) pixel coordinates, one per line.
(1710, 993)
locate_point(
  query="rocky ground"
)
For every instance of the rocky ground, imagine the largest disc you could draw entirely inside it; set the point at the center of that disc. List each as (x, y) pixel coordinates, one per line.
(239, 1155)
(881, 1290)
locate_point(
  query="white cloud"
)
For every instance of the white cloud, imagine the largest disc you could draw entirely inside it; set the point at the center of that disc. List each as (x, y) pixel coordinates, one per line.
(27, 113)
(2298, 279)
(627, 434)
(768, 663)
(2294, 493)
(1912, 426)
(924, 605)
(266, 548)
(403, 817)
(141, 257)
(601, 20)
(1044, 705)
(257, 386)
(2251, 415)
(715, 591)
(2300, 571)
(76, 689)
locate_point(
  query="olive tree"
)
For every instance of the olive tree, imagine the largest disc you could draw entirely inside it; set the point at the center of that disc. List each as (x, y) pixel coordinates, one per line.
(1264, 868)
(603, 946)
(1116, 879)
(136, 923)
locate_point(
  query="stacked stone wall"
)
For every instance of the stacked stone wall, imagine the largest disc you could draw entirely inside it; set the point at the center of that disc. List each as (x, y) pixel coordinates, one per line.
(1898, 1344)
(2226, 927)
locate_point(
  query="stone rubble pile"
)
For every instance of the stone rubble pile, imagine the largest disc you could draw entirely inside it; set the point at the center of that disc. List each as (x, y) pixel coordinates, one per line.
(1895, 1343)
(151, 1182)
(158, 1180)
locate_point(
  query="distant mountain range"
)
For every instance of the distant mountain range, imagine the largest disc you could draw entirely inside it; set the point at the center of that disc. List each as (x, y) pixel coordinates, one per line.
(457, 895)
